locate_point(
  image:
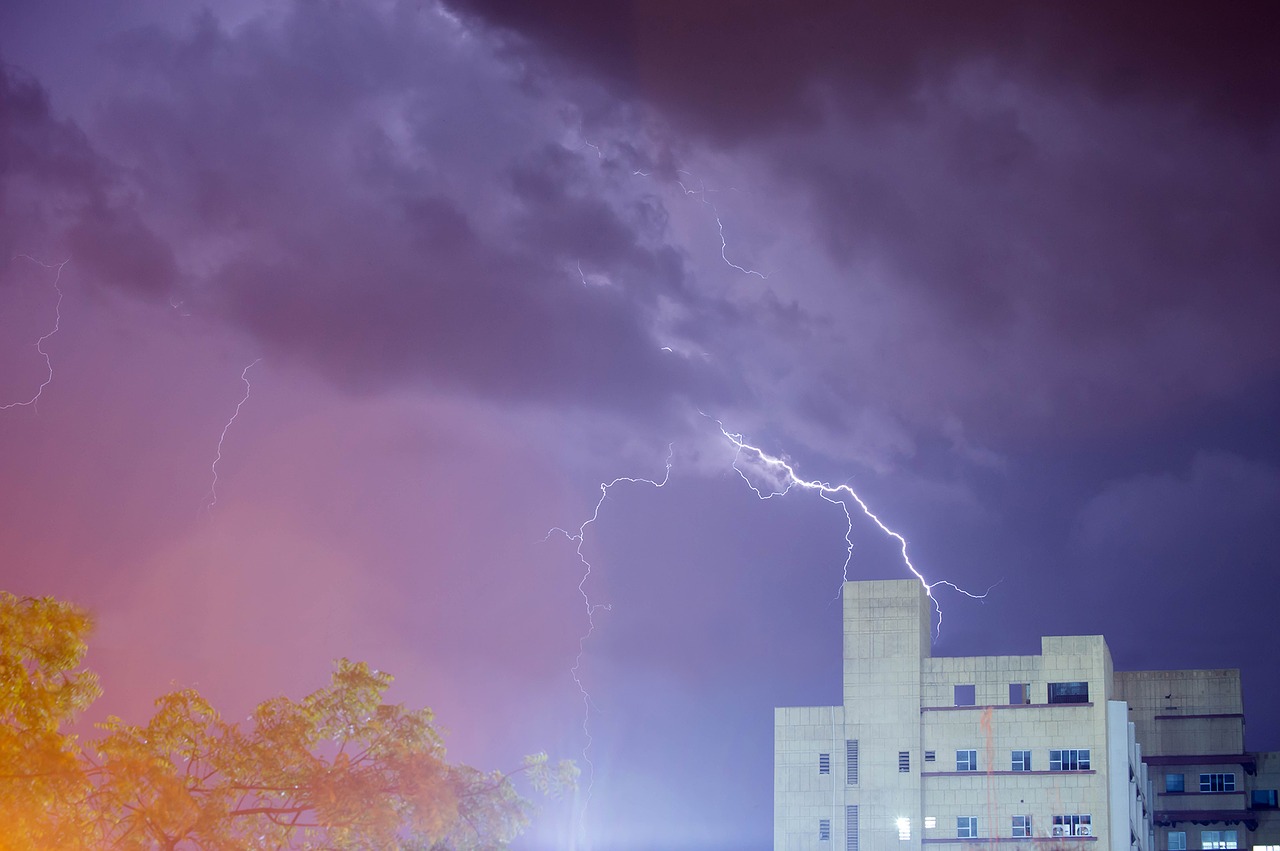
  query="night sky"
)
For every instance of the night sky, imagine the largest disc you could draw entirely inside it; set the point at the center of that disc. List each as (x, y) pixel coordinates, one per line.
(1009, 271)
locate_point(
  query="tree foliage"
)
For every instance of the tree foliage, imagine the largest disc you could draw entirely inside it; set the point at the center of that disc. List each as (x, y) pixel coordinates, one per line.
(337, 769)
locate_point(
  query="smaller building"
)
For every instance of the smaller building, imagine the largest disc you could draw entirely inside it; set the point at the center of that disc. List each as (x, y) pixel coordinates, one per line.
(1055, 750)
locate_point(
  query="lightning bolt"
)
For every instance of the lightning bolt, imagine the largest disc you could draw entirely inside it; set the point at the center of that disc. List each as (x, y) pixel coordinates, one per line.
(34, 401)
(592, 607)
(785, 478)
(702, 191)
(213, 468)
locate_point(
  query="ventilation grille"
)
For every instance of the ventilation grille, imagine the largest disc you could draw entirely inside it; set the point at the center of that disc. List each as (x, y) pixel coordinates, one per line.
(851, 762)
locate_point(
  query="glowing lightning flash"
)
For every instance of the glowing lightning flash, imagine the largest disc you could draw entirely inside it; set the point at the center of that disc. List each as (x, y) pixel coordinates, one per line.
(592, 608)
(786, 478)
(34, 401)
(213, 486)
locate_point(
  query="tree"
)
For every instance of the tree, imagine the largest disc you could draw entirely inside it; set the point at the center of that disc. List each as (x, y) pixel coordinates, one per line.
(338, 769)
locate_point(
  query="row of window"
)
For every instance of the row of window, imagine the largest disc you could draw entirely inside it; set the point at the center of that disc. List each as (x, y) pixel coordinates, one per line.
(1211, 782)
(1066, 759)
(1208, 839)
(1020, 693)
(1075, 824)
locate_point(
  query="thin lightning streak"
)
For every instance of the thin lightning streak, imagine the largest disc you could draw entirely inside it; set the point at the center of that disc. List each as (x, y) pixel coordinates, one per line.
(34, 401)
(790, 479)
(592, 608)
(701, 191)
(213, 487)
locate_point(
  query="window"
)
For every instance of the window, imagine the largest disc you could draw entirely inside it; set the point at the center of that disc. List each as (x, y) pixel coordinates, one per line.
(1173, 783)
(1019, 693)
(1072, 825)
(824, 830)
(824, 763)
(904, 829)
(930, 756)
(851, 762)
(966, 760)
(1021, 762)
(851, 827)
(967, 827)
(966, 695)
(904, 761)
(1218, 782)
(1263, 799)
(1069, 760)
(1177, 840)
(1068, 692)
(1022, 826)
(1218, 839)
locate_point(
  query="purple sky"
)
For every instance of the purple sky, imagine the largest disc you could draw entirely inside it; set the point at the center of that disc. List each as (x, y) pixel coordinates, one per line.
(1008, 270)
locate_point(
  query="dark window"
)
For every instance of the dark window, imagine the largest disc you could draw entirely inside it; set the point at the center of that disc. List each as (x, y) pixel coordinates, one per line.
(967, 827)
(1263, 799)
(1022, 826)
(966, 760)
(824, 829)
(965, 695)
(1174, 783)
(824, 763)
(904, 761)
(1022, 762)
(1019, 693)
(1218, 782)
(1068, 692)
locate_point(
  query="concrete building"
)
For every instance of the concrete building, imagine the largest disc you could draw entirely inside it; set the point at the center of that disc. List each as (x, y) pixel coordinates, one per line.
(1054, 750)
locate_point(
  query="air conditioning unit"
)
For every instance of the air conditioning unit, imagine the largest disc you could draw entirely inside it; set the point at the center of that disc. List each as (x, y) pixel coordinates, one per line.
(1084, 830)
(1059, 830)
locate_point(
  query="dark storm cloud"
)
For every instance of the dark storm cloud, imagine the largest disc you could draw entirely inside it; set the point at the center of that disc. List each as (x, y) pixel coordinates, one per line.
(736, 69)
(1069, 205)
(51, 178)
(381, 196)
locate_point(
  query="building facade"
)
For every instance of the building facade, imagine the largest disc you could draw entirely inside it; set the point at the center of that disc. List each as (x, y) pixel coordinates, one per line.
(1054, 750)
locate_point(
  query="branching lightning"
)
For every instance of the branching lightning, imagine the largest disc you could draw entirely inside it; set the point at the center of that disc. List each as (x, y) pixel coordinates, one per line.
(785, 479)
(34, 401)
(592, 607)
(213, 468)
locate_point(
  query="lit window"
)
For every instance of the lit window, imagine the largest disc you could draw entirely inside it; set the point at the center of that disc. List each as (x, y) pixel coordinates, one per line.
(1022, 760)
(966, 695)
(1173, 783)
(824, 830)
(1069, 760)
(1177, 840)
(1218, 782)
(966, 760)
(904, 761)
(1019, 694)
(824, 763)
(1022, 826)
(904, 829)
(967, 827)
(1218, 839)
(930, 822)
(1068, 692)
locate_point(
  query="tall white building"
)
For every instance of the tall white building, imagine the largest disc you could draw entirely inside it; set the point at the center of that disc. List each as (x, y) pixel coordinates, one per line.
(1032, 752)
